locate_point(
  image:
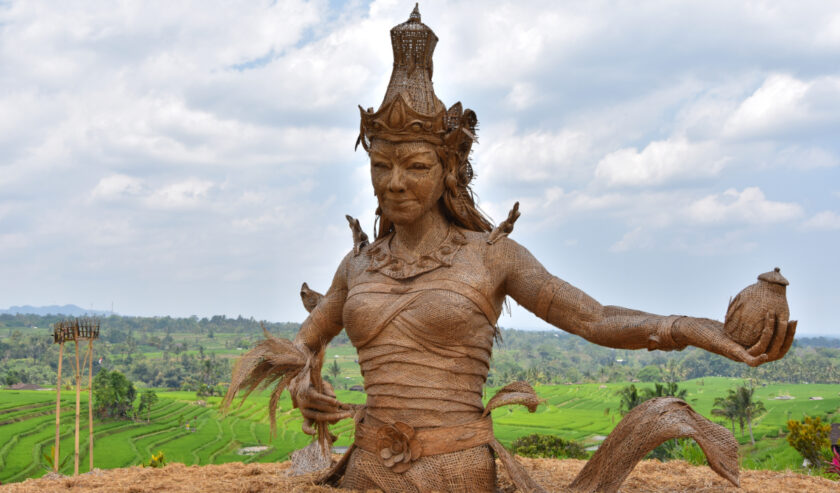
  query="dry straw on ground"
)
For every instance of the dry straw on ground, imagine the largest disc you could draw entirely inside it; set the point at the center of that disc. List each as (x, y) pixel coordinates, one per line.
(647, 477)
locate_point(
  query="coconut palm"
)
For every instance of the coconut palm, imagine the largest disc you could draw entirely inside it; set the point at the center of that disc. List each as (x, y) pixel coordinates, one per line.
(725, 408)
(630, 398)
(748, 407)
(668, 389)
(739, 404)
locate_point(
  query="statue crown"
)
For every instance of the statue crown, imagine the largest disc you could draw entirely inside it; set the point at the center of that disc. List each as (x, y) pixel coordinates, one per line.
(410, 110)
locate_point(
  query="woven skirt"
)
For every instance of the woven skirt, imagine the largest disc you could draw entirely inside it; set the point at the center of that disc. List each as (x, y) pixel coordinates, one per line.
(470, 470)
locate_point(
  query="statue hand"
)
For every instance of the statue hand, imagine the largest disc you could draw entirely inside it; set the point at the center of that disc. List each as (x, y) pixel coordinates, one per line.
(774, 342)
(318, 406)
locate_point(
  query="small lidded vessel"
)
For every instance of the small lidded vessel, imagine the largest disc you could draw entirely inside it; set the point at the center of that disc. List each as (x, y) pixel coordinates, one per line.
(747, 312)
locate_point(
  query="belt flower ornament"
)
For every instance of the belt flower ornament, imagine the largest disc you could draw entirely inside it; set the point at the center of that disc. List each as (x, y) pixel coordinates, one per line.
(398, 446)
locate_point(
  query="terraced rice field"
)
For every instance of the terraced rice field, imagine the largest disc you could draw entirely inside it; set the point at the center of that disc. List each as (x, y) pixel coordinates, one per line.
(184, 431)
(194, 434)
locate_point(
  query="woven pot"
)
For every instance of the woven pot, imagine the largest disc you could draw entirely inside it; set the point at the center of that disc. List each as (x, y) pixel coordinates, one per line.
(745, 317)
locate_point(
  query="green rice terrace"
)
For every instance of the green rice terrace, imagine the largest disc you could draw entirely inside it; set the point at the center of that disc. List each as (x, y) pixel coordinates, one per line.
(190, 431)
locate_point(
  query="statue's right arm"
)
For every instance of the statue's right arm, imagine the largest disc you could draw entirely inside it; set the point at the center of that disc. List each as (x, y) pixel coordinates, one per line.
(325, 320)
(323, 323)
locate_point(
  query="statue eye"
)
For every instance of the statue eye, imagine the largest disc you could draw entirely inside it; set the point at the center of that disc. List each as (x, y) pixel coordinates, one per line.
(418, 166)
(380, 165)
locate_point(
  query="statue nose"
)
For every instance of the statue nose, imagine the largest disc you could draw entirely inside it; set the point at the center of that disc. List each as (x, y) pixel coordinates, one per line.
(397, 182)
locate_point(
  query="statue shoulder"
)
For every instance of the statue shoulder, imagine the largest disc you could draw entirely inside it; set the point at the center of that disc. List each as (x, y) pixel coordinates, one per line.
(502, 250)
(354, 264)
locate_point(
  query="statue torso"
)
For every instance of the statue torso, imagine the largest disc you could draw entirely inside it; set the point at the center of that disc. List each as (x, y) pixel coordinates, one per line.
(424, 331)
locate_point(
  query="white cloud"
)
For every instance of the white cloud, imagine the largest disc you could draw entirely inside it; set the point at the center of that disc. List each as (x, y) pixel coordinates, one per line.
(522, 95)
(829, 34)
(776, 102)
(823, 221)
(578, 201)
(184, 194)
(531, 157)
(637, 238)
(13, 241)
(748, 206)
(115, 186)
(804, 158)
(659, 162)
(784, 103)
(729, 243)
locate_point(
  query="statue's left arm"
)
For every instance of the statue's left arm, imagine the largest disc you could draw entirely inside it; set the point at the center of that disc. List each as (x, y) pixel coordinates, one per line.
(568, 308)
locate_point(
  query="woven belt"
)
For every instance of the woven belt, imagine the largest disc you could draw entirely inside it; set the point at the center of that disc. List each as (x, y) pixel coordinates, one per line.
(398, 444)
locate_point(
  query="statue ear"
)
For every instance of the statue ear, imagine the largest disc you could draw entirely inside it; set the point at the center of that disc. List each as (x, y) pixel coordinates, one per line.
(451, 182)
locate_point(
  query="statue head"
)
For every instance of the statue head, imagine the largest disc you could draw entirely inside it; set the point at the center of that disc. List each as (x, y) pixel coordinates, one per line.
(412, 121)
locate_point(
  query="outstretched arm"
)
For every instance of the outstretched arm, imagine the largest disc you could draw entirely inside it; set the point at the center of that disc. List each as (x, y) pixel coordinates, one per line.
(568, 308)
(325, 320)
(315, 398)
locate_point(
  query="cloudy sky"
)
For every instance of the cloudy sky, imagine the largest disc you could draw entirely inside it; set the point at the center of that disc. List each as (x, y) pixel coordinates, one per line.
(180, 158)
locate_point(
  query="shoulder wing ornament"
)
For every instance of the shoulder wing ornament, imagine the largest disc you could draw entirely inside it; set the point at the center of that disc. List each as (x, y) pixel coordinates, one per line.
(505, 227)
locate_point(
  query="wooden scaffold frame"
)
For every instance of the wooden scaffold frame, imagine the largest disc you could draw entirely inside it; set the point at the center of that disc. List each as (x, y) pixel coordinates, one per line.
(76, 330)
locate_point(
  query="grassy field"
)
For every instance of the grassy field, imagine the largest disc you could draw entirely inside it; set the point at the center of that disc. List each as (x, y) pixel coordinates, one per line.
(199, 434)
(582, 412)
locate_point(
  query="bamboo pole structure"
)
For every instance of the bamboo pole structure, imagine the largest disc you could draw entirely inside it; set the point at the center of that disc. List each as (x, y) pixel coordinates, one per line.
(90, 403)
(58, 407)
(78, 397)
(76, 330)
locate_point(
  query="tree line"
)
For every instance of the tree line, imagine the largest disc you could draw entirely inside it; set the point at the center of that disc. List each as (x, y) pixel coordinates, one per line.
(172, 352)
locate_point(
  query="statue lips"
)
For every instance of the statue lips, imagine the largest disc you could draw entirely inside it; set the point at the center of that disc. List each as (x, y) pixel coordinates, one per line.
(400, 202)
(403, 205)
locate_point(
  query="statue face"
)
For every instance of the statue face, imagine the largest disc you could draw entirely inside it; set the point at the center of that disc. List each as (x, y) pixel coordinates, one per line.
(407, 179)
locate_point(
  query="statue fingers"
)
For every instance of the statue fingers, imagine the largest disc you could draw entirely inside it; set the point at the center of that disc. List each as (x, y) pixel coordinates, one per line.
(328, 389)
(329, 417)
(766, 338)
(734, 351)
(791, 331)
(307, 427)
(312, 397)
(320, 406)
(754, 360)
(778, 339)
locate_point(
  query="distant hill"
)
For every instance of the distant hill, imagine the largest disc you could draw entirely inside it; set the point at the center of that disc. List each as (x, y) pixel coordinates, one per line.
(68, 310)
(818, 341)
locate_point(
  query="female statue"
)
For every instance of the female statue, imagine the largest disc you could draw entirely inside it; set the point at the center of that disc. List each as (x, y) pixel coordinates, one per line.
(420, 303)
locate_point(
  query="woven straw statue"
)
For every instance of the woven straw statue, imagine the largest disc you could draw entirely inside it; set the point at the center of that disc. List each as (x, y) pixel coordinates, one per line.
(420, 305)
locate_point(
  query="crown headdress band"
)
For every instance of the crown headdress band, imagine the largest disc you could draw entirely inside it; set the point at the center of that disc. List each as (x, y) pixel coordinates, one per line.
(410, 111)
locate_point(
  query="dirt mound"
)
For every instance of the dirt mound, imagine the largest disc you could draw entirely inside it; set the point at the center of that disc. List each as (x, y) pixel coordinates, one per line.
(648, 477)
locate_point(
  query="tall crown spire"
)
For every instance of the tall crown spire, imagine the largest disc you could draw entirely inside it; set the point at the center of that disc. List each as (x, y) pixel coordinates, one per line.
(414, 44)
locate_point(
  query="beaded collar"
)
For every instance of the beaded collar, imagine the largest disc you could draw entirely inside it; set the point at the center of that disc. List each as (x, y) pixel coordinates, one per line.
(385, 262)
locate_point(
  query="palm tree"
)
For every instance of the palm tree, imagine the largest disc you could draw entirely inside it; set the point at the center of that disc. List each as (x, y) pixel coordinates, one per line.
(739, 404)
(725, 408)
(630, 398)
(747, 407)
(669, 389)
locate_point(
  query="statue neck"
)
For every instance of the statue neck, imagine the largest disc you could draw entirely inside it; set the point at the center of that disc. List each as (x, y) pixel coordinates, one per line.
(420, 237)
